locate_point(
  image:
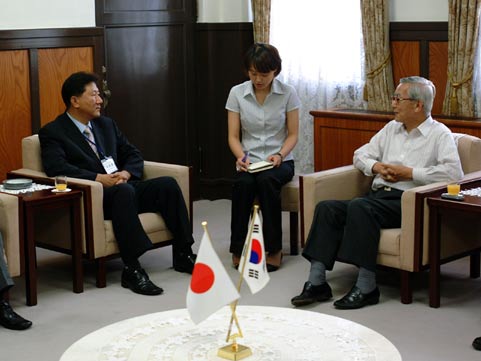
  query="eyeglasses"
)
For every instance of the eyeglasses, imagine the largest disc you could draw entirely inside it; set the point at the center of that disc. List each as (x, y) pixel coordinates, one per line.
(397, 98)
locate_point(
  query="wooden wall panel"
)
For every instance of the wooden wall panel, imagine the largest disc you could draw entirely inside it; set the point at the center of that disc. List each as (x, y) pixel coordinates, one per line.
(438, 69)
(15, 106)
(54, 66)
(339, 132)
(421, 48)
(405, 59)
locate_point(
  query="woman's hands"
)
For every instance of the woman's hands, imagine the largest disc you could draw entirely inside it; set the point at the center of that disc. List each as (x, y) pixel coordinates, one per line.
(242, 163)
(275, 159)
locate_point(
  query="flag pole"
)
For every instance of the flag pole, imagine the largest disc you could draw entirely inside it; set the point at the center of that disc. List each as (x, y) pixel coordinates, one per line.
(241, 278)
(235, 351)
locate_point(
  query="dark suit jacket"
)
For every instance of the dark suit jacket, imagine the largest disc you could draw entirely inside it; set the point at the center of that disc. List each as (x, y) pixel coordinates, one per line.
(66, 151)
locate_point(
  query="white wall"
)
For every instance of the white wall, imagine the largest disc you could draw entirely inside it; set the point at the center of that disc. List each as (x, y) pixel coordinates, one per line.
(418, 10)
(40, 14)
(213, 11)
(224, 11)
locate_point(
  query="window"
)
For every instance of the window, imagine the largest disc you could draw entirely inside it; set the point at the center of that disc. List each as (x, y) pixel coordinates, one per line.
(320, 43)
(319, 40)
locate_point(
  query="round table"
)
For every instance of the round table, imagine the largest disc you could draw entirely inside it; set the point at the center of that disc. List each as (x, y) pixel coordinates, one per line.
(272, 333)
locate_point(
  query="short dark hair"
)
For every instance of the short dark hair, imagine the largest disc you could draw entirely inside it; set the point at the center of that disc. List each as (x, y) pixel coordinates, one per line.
(75, 84)
(264, 58)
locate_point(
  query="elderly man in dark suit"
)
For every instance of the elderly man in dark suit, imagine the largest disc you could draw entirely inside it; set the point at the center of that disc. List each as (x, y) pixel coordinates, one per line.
(82, 143)
(8, 317)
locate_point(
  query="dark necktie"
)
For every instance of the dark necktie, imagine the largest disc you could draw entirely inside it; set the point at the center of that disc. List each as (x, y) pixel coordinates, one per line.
(91, 140)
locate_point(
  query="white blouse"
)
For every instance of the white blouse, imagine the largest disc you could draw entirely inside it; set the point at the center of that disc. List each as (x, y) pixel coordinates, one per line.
(263, 127)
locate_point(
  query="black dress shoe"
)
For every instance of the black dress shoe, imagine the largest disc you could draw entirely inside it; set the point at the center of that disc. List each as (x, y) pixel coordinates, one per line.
(274, 267)
(477, 343)
(311, 294)
(184, 262)
(271, 267)
(11, 320)
(138, 281)
(356, 299)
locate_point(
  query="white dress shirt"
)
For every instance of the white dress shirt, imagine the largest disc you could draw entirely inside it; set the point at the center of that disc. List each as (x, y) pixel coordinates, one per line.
(429, 149)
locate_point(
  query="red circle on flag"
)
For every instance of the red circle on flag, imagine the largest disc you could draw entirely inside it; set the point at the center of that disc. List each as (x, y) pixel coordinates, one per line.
(203, 278)
(256, 252)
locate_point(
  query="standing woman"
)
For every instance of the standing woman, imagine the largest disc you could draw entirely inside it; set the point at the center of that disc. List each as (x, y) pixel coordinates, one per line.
(263, 122)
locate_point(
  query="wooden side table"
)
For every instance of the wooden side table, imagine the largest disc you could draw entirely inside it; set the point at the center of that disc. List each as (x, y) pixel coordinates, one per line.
(34, 203)
(439, 207)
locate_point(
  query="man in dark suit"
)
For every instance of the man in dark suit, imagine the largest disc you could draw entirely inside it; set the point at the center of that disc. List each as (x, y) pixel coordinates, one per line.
(8, 317)
(82, 143)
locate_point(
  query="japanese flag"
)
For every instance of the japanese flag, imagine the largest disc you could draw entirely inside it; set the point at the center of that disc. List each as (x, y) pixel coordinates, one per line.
(210, 286)
(255, 269)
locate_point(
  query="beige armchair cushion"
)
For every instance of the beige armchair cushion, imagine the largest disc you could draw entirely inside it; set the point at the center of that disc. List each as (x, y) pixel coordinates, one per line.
(9, 227)
(469, 148)
(31, 154)
(290, 195)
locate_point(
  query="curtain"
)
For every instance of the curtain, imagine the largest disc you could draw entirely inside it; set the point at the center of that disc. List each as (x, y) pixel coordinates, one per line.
(462, 45)
(375, 30)
(261, 9)
(320, 43)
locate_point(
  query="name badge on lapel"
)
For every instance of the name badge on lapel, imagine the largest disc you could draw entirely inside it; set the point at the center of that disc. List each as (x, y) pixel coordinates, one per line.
(109, 165)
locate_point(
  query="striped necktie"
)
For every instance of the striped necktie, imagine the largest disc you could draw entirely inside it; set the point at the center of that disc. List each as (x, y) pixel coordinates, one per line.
(91, 140)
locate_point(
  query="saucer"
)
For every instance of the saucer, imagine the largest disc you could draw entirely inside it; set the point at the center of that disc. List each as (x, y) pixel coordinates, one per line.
(17, 183)
(453, 197)
(57, 191)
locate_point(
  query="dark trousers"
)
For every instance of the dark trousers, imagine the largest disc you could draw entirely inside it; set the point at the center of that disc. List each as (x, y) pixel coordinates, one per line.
(5, 280)
(350, 230)
(122, 204)
(266, 186)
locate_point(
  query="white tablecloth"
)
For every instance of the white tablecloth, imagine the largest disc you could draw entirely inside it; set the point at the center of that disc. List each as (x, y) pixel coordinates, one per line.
(273, 334)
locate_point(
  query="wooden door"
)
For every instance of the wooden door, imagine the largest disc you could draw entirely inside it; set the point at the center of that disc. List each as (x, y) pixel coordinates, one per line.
(149, 61)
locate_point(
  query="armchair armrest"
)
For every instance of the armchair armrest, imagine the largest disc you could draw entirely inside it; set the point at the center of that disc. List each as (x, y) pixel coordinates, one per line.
(9, 227)
(339, 183)
(414, 224)
(30, 173)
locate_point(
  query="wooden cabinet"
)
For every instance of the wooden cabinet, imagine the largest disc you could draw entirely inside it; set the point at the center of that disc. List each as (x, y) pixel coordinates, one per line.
(339, 132)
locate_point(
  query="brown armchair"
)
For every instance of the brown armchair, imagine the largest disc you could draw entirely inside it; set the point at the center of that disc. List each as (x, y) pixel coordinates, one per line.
(99, 242)
(405, 248)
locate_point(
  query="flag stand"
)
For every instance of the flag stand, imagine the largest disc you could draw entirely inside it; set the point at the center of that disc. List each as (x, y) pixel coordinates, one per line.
(234, 351)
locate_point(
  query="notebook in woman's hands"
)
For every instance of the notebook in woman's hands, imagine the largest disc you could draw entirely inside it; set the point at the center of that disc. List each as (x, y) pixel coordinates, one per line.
(259, 166)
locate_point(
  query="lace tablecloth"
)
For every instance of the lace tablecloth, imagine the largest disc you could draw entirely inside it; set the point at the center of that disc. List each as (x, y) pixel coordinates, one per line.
(35, 187)
(273, 334)
(472, 192)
